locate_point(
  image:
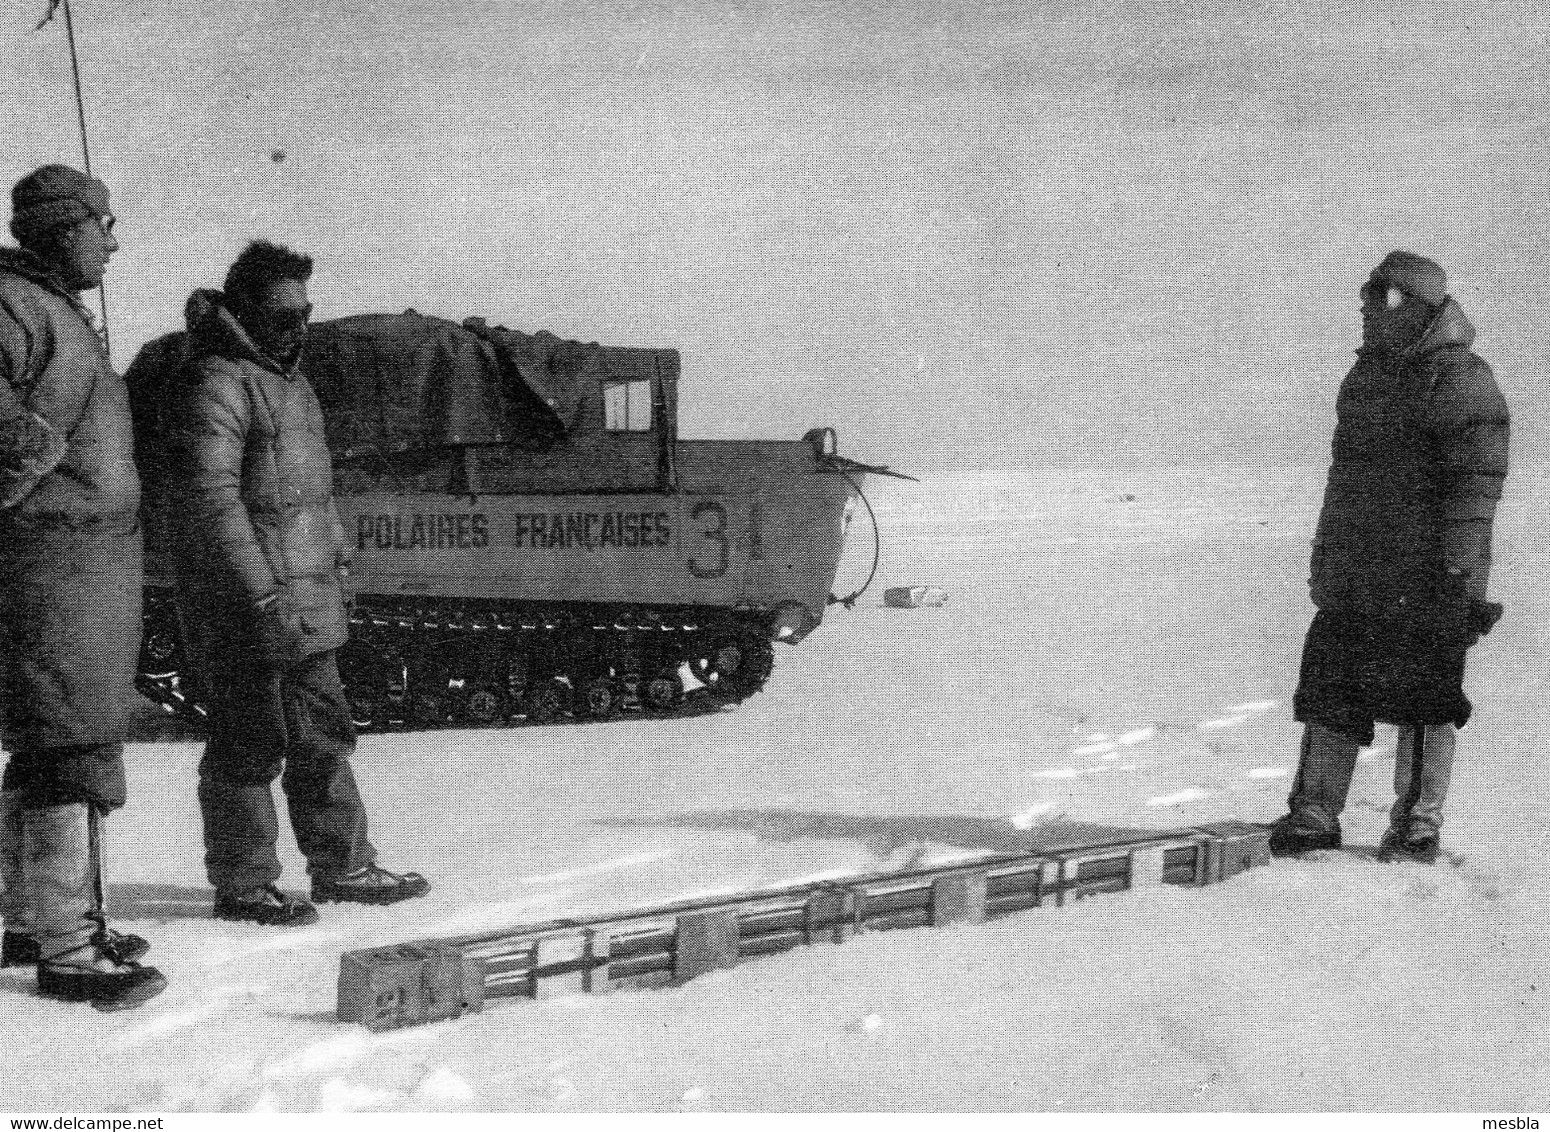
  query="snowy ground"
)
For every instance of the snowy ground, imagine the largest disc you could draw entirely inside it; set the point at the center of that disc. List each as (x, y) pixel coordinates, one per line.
(1119, 647)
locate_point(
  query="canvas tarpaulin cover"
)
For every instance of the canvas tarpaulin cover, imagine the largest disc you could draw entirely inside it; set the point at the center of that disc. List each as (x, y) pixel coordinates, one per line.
(393, 382)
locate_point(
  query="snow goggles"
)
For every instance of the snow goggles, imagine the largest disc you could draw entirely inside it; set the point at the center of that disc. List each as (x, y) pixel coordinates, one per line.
(282, 319)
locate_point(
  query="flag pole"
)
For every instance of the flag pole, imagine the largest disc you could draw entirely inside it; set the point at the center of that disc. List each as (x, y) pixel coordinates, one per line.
(80, 115)
(75, 72)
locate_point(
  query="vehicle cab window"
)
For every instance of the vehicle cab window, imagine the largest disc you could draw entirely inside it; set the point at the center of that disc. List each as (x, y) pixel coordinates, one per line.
(627, 406)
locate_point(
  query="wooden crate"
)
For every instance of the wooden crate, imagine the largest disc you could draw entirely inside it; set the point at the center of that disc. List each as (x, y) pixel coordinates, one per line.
(408, 984)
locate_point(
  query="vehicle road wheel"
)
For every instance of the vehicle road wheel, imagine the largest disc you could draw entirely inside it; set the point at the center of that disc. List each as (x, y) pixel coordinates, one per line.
(548, 701)
(741, 663)
(368, 707)
(157, 652)
(600, 697)
(484, 705)
(430, 705)
(663, 691)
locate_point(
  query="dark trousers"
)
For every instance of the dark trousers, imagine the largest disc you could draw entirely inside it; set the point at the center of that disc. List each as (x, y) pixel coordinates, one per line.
(293, 724)
(91, 774)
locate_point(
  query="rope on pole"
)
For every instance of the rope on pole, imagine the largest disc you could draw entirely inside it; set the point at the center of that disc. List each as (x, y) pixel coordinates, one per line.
(80, 115)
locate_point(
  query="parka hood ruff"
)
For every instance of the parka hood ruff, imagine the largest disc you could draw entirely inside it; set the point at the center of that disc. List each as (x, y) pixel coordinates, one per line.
(213, 329)
(19, 261)
(31, 267)
(1449, 328)
(199, 306)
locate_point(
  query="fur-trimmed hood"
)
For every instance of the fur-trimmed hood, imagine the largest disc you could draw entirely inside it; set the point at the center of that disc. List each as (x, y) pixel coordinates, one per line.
(213, 329)
(1449, 328)
(19, 261)
(33, 268)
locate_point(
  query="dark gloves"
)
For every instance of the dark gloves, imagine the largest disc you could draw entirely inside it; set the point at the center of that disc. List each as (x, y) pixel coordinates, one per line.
(1483, 616)
(278, 631)
(1478, 616)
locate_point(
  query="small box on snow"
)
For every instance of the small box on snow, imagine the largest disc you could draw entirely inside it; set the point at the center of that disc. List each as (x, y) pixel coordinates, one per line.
(387, 987)
(913, 597)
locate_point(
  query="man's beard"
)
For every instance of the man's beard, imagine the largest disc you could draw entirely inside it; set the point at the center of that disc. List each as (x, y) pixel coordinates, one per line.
(287, 352)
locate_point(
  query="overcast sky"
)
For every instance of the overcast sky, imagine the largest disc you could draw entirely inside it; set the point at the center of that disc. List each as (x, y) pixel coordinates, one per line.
(961, 234)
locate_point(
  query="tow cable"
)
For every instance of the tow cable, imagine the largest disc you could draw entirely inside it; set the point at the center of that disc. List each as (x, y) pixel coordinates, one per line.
(877, 546)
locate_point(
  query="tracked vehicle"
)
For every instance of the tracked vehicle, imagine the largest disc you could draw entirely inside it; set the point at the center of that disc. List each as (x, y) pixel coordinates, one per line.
(528, 539)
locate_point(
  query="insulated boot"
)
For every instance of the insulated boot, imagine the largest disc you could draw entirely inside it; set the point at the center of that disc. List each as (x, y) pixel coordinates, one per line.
(267, 905)
(1421, 848)
(90, 974)
(1289, 837)
(20, 949)
(15, 900)
(78, 958)
(61, 879)
(1324, 769)
(370, 885)
(1423, 766)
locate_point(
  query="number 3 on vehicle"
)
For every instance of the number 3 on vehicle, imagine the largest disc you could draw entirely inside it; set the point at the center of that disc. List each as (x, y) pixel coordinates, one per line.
(712, 517)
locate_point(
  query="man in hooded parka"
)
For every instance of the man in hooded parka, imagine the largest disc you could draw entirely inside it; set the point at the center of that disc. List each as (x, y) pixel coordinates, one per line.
(70, 579)
(258, 549)
(1401, 559)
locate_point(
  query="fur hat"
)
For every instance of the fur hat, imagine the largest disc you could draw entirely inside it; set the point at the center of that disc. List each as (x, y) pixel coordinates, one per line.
(53, 196)
(1416, 274)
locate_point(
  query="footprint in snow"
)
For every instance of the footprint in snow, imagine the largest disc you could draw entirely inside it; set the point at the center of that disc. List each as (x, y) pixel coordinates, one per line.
(1222, 723)
(1106, 747)
(1254, 707)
